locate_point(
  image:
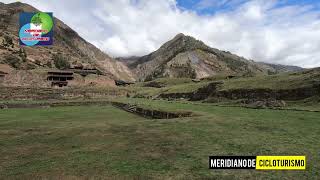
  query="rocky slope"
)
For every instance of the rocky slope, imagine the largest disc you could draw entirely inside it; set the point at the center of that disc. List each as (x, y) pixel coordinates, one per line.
(282, 68)
(184, 56)
(68, 45)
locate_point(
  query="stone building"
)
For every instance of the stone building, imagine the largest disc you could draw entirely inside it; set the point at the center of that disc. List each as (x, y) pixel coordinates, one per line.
(60, 78)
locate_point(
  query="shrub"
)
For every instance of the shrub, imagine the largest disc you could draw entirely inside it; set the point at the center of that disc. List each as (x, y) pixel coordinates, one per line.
(13, 61)
(23, 55)
(8, 41)
(61, 62)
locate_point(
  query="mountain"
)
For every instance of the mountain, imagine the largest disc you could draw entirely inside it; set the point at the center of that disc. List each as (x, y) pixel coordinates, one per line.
(128, 60)
(283, 68)
(184, 56)
(68, 46)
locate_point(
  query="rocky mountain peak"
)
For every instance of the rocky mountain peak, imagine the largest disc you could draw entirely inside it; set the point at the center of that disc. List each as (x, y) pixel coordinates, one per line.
(185, 42)
(19, 6)
(179, 36)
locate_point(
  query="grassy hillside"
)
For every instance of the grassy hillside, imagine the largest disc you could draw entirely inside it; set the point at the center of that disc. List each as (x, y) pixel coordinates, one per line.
(169, 85)
(101, 141)
(280, 81)
(308, 78)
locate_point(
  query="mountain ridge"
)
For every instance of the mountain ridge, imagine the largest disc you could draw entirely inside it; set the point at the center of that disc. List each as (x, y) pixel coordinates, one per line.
(185, 56)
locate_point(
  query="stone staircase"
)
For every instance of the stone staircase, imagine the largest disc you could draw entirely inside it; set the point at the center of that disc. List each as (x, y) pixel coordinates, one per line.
(131, 108)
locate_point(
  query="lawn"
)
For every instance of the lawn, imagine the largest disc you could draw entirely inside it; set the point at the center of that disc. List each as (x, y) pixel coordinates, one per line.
(104, 142)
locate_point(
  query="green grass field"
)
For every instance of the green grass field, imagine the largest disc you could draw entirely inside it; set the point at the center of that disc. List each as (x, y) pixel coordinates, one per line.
(105, 142)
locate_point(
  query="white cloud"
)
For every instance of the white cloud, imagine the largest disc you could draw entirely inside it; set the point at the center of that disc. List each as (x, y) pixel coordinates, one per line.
(256, 30)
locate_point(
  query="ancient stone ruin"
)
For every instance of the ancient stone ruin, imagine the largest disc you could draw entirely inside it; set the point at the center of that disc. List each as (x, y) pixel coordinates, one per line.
(151, 113)
(60, 78)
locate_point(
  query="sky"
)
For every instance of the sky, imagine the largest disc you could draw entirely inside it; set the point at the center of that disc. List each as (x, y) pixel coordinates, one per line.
(274, 31)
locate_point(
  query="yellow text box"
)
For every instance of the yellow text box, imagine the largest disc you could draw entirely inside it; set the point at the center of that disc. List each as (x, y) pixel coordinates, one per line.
(281, 162)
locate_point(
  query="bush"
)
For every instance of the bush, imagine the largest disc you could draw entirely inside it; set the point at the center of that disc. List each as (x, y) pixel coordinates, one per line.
(23, 55)
(8, 40)
(61, 62)
(13, 61)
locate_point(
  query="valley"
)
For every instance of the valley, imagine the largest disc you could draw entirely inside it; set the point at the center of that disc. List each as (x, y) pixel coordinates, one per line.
(71, 111)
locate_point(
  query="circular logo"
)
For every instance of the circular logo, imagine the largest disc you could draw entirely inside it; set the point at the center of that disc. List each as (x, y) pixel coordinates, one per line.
(43, 20)
(26, 37)
(36, 29)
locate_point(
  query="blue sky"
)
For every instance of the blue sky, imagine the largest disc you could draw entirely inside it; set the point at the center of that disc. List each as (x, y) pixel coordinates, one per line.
(210, 7)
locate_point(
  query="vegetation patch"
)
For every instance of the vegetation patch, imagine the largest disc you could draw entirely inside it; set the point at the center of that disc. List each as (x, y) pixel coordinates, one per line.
(61, 62)
(13, 61)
